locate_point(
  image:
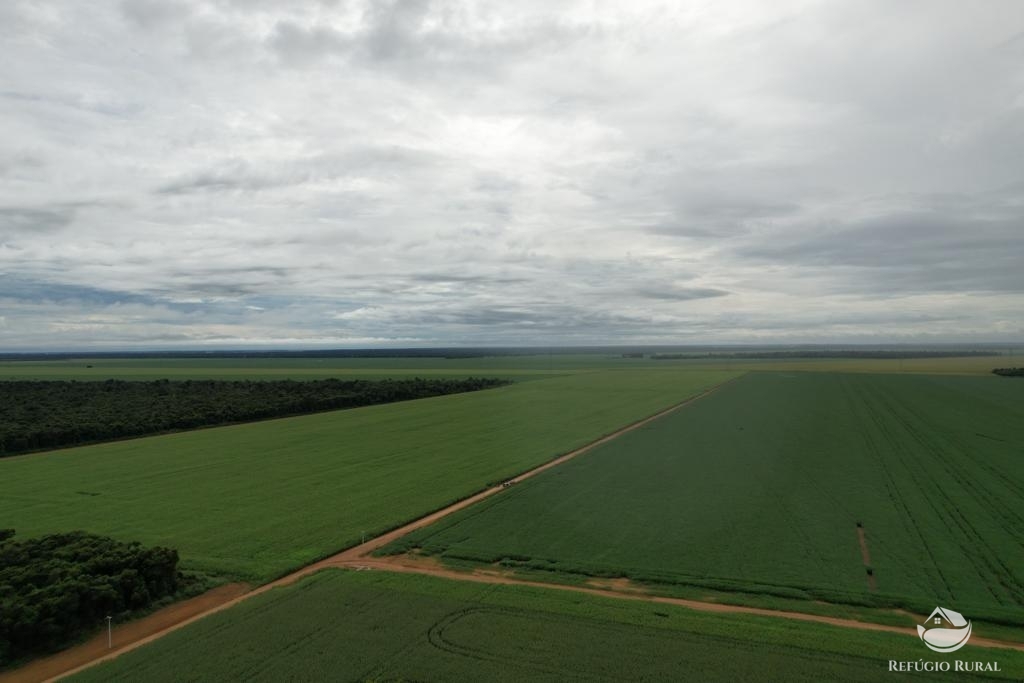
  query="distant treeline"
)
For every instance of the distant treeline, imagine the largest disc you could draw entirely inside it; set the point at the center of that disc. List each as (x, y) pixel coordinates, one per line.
(437, 352)
(57, 588)
(1009, 372)
(849, 353)
(37, 415)
(675, 350)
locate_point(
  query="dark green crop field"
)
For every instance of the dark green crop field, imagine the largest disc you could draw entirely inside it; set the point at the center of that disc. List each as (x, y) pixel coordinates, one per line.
(372, 626)
(256, 500)
(760, 488)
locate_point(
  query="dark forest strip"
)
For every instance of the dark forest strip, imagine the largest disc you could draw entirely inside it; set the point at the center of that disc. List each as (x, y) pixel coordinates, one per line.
(40, 415)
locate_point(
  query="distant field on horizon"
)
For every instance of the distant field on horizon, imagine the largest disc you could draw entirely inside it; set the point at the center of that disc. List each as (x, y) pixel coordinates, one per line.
(517, 367)
(760, 487)
(253, 501)
(344, 625)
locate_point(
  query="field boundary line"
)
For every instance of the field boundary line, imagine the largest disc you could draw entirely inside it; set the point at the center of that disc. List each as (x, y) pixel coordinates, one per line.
(345, 558)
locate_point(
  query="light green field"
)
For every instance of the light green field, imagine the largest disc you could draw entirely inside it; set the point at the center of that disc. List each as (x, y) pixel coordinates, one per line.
(373, 626)
(760, 486)
(514, 367)
(254, 501)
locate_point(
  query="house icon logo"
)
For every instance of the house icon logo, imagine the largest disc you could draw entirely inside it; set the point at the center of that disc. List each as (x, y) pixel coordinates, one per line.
(945, 630)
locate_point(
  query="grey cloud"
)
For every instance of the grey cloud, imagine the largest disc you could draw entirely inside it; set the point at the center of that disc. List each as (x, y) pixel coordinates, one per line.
(418, 35)
(737, 208)
(719, 216)
(20, 219)
(45, 219)
(13, 288)
(235, 175)
(924, 251)
(241, 175)
(681, 293)
(393, 27)
(297, 45)
(150, 14)
(496, 182)
(562, 319)
(467, 279)
(106, 106)
(20, 165)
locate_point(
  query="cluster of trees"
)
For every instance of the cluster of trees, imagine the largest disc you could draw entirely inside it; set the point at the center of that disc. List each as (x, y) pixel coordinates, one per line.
(1009, 372)
(37, 415)
(56, 588)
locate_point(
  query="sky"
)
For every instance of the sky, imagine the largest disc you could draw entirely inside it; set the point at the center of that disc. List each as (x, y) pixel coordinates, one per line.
(251, 173)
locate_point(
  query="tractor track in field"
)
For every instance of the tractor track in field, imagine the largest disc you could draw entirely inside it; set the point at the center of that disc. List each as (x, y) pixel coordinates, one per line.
(359, 558)
(862, 540)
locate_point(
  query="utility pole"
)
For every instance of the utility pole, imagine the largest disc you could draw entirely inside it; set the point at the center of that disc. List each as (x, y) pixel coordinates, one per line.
(110, 642)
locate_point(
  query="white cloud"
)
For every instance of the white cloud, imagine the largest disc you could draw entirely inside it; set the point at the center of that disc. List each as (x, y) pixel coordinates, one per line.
(446, 172)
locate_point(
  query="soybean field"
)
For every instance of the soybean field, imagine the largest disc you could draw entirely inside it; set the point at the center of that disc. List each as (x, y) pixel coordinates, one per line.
(363, 626)
(885, 490)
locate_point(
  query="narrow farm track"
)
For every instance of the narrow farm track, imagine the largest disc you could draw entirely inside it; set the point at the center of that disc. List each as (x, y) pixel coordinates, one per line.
(139, 633)
(359, 558)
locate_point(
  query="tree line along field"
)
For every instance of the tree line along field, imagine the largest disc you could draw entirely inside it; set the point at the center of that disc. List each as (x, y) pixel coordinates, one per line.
(40, 414)
(518, 366)
(256, 500)
(369, 626)
(760, 487)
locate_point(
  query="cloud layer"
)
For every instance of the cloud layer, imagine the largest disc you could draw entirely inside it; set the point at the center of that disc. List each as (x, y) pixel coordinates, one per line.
(229, 173)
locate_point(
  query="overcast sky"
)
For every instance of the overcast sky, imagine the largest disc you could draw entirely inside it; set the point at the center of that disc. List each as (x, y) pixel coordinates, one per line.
(249, 173)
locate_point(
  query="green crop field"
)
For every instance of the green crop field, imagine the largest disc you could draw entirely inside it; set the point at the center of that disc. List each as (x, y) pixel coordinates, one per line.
(365, 626)
(760, 486)
(254, 501)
